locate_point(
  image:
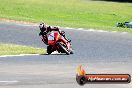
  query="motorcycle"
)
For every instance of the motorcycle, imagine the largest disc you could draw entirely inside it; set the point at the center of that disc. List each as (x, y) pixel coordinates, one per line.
(57, 42)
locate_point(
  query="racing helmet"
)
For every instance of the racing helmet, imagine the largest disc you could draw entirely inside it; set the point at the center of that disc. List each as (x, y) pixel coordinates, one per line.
(43, 26)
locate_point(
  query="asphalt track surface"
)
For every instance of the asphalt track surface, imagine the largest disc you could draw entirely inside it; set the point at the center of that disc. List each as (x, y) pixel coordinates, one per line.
(97, 52)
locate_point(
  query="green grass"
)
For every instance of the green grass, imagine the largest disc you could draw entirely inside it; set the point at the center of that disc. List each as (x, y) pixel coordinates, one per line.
(12, 49)
(71, 13)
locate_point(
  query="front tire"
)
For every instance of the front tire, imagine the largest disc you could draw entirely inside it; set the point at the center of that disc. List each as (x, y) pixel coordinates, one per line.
(71, 51)
(63, 48)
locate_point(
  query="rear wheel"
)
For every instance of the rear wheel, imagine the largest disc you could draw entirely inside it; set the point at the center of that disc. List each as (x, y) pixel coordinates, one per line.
(49, 49)
(63, 48)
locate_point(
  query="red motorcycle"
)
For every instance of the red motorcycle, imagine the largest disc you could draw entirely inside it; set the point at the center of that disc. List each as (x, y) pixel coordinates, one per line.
(57, 42)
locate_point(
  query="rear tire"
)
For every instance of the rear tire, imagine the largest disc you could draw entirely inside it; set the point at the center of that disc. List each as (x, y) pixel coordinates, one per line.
(49, 49)
(63, 48)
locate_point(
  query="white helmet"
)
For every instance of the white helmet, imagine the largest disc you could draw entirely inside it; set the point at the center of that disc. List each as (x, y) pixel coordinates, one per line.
(43, 26)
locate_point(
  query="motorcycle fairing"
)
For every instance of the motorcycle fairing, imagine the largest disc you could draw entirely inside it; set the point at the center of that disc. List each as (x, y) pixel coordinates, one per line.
(51, 38)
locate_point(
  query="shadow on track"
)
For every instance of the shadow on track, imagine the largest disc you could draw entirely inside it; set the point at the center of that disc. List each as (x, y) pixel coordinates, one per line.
(55, 54)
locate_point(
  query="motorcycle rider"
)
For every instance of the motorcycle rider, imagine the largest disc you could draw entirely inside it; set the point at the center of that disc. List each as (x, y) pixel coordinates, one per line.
(45, 29)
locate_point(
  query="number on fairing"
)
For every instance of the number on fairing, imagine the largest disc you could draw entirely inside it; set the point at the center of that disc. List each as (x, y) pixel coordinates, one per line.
(51, 36)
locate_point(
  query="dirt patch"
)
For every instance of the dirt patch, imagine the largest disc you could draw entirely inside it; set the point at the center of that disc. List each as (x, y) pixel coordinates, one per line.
(16, 21)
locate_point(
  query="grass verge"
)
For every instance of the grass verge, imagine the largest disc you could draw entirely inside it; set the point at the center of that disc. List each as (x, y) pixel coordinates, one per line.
(72, 13)
(12, 49)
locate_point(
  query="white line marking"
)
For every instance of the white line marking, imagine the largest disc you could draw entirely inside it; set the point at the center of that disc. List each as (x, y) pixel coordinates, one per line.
(93, 30)
(9, 82)
(19, 55)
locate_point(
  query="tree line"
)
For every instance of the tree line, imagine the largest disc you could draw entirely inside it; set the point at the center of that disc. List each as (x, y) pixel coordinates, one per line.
(116, 0)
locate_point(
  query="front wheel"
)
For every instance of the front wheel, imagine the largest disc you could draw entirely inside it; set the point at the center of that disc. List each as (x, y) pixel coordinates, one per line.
(63, 48)
(71, 51)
